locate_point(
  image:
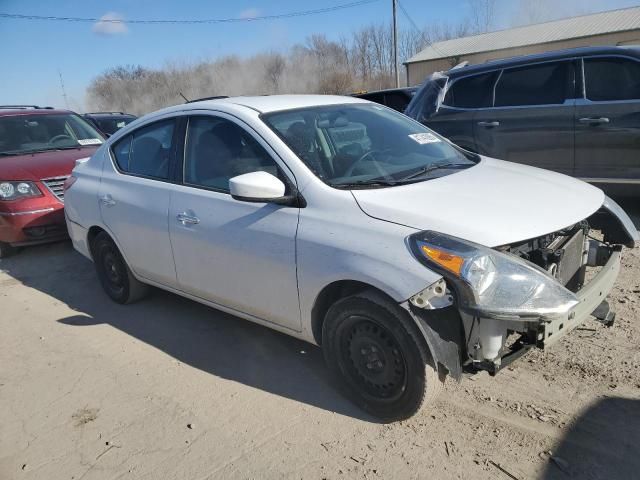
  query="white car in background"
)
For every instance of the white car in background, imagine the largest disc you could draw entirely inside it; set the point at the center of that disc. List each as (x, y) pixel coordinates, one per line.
(351, 226)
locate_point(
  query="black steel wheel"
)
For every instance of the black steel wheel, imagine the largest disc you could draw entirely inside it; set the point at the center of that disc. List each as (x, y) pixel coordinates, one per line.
(114, 274)
(380, 358)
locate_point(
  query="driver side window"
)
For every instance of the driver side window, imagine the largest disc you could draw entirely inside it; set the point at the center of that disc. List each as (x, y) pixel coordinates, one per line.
(147, 152)
(217, 150)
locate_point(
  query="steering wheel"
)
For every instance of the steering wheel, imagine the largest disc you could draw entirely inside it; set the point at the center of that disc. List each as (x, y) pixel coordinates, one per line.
(353, 166)
(62, 136)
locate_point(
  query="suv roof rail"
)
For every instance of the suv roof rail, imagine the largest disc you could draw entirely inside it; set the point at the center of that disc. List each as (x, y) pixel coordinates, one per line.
(107, 113)
(25, 107)
(215, 97)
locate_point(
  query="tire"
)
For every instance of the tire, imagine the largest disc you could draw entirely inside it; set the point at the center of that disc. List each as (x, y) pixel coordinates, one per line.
(113, 272)
(378, 355)
(7, 250)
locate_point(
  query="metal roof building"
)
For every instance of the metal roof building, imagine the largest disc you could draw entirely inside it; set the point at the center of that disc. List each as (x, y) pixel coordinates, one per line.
(616, 27)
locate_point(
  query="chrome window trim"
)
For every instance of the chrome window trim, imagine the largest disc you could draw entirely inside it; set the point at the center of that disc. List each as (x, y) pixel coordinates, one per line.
(26, 212)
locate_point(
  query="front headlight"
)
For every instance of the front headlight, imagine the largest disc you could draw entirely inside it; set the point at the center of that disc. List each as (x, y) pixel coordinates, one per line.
(15, 190)
(492, 284)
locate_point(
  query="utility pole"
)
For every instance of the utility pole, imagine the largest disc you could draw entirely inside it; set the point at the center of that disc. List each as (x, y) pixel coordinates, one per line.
(64, 94)
(395, 45)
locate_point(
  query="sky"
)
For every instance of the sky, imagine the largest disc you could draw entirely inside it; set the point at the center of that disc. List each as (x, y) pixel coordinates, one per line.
(35, 53)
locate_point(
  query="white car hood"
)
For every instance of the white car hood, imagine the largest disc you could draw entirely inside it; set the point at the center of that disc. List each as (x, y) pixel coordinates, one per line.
(493, 203)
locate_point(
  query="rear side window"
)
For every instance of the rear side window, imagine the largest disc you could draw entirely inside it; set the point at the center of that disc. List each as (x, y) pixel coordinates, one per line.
(148, 151)
(544, 84)
(611, 79)
(472, 92)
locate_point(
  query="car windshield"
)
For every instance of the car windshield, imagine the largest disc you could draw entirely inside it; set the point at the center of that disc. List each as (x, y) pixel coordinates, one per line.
(20, 134)
(365, 145)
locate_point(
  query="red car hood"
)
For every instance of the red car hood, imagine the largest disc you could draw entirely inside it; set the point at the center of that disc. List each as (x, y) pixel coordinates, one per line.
(35, 166)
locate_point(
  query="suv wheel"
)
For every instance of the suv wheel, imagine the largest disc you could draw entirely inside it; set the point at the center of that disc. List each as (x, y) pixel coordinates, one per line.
(379, 356)
(114, 274)
(7, 250)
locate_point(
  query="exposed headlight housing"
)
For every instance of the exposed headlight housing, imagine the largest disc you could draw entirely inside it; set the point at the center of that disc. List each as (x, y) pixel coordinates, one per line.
(11, 190)
(492, 284)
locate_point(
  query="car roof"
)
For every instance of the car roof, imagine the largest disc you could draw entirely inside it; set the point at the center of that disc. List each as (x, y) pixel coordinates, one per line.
(12, 112)
(273, 103)
(632, 50)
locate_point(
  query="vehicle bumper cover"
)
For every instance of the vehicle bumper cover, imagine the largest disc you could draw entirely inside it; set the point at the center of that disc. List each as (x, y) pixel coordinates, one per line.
(79, 236)
(590, 297)
(32, 226)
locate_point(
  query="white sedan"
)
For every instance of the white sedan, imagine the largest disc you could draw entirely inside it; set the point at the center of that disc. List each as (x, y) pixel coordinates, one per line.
(351, 226)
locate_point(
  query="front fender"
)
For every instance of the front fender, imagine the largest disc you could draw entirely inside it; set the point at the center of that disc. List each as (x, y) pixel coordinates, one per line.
(443, 331)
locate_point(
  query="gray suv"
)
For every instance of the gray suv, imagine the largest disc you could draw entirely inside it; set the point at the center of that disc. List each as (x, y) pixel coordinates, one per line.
(573, 111)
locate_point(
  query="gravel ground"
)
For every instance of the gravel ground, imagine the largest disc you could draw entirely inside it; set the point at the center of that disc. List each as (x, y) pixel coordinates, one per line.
(171, 389)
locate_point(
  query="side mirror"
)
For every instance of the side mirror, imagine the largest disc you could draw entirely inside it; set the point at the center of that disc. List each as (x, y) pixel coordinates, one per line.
(258, 187)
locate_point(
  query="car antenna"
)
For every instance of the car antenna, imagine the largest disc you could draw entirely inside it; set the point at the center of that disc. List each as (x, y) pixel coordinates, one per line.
(185, 98)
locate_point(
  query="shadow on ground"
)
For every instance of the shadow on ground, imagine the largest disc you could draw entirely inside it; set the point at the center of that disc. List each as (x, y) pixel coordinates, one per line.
(205, 338)
(631, 205)
(603, 443)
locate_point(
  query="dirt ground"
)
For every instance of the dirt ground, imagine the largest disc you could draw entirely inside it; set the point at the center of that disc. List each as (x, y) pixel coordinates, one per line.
(171, 389)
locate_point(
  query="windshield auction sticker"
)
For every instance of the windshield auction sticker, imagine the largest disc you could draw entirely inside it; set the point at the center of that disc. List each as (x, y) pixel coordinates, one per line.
(90, 141)
(423, 138)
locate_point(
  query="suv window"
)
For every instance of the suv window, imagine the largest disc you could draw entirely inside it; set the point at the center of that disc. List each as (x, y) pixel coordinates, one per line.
(147, 151)
(218, 149)
(543, 84)
(612, 79)
(472, 92)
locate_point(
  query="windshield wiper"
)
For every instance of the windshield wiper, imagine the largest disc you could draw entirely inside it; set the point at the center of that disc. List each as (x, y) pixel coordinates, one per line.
(367, 183)
(431, 168)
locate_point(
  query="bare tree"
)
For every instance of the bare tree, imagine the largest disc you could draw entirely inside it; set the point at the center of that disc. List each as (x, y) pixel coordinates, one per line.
(482, 15)
(274, 67)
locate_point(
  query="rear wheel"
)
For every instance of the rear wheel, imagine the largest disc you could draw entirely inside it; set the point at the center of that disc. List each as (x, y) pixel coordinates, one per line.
(379, 356)
(114, 274)
(7, 250)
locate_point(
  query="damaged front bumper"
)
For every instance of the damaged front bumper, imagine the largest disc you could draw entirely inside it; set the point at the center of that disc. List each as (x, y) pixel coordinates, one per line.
(591, 296)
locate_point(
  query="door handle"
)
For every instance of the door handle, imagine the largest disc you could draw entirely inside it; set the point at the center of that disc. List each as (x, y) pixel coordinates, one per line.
(489, 124)
(107, 200)
(594, 120)
(185, 219)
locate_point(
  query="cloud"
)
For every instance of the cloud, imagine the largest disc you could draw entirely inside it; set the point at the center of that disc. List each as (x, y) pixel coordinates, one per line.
(250, 13)
(110, 23)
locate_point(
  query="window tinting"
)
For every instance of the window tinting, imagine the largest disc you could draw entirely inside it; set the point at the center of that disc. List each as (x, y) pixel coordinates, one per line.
(148, 151)
(472, 92)
(612, 79)
(543, 84)
(396, 100)
(218, 149)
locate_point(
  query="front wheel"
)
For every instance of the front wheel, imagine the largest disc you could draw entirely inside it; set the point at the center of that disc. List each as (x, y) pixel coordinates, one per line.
(114, 274)
(379, 356)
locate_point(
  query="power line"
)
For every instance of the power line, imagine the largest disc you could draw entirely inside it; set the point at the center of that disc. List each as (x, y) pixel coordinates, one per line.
(302, 13)
(424, 39)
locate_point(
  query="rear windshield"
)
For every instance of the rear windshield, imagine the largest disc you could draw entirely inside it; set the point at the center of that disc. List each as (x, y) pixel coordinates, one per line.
(365, 144)
(21, 134)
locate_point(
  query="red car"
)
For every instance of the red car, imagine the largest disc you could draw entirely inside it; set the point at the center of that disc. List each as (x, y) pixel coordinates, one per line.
(38, 150)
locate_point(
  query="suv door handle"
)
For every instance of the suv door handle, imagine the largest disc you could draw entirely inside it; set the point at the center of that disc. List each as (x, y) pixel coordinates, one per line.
(594, 120)
(489, 124)
(107, 200)
(185, 219)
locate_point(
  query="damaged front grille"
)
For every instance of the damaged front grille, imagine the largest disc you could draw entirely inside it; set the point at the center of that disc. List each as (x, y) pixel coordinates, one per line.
(561, 254)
